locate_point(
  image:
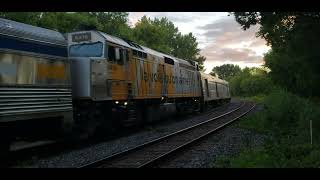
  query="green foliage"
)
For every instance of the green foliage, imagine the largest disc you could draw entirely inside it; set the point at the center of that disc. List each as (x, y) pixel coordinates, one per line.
(226, 71)
(250, 82)
(295, 40)
(162, 35)
(253, 159)
(285, 120)
(287, 115)
(24, 17)
(254, 122)
(114, 23)
(200, 59)
(158, 34)
(274, 156)
(257, 98)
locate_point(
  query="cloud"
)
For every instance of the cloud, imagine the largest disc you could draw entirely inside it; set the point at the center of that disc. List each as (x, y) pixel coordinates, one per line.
(227, 31)
(221, 39)
(236, 55)
(174, 17)
(228, 43)
(185, 21)
(257, 43)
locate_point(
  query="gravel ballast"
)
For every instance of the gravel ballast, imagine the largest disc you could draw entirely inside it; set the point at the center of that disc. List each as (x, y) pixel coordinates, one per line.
(227, 142)
(78, 157)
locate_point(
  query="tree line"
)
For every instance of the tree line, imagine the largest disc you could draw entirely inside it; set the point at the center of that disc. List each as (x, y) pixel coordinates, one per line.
(294, 58)
(294, 37)
(158, 33)
(289, 120)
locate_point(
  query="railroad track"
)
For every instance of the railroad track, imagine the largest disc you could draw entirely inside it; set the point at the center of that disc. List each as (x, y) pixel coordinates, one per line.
(38, 150)
(155, 152)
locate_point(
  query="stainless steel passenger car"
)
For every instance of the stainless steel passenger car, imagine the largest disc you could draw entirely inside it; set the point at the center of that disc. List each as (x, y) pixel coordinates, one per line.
(214, 90)
(35, 86)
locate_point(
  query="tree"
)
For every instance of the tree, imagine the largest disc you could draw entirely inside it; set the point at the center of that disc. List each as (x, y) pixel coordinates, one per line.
(163, 36)
(23, 17)
(200, 59)
(250, 82)
(294, 38)
(113, 23)
(156, 34)
(159, 34)
(226, 71)
(185, 46)
(67, 22)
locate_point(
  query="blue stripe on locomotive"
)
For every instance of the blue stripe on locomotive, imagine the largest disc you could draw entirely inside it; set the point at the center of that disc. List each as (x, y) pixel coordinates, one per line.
(16, 44)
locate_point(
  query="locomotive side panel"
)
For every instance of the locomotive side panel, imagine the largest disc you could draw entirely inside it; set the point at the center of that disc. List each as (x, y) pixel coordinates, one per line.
(152, 78)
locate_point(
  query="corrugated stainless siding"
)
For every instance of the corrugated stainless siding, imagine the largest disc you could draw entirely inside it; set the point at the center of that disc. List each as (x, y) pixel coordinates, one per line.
(17, 101)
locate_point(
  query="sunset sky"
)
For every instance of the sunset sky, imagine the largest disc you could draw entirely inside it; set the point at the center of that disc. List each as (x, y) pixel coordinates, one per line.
(220, 37)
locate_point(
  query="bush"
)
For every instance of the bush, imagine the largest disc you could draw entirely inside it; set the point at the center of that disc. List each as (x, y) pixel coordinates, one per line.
(289, 115)
(285, 119)
(246, 84)
(275, 156)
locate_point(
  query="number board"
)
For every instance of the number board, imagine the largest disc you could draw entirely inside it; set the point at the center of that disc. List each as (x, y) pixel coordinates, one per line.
(81, 37)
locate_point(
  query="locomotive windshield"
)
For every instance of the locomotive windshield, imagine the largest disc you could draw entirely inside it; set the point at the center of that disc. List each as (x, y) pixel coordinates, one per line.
(86, 50)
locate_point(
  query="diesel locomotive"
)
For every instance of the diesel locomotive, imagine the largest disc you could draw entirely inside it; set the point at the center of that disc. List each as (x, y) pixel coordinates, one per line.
(117, 82)
(89, 82)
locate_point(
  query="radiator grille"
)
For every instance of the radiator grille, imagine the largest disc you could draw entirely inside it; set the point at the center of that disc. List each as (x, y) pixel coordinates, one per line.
(15, 101)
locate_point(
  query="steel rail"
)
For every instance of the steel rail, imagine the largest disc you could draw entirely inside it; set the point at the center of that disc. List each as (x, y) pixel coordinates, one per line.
(156, 161)
(104, 160)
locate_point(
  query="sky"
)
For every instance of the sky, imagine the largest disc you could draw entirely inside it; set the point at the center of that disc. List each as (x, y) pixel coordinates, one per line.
(220, 37)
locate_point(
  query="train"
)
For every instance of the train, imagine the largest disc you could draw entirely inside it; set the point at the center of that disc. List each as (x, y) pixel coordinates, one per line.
(88, 82)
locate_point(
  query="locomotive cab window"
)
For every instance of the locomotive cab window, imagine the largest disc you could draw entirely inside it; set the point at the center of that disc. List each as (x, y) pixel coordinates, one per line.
(86, 50)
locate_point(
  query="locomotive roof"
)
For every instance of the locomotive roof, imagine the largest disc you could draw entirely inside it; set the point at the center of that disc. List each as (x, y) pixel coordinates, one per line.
(125, 43)
(26, 31)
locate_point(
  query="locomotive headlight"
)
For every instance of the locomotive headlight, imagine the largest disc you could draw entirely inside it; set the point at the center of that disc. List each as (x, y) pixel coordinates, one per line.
(125, 103)
(117, 102)
(162, 98)
(195, 100)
